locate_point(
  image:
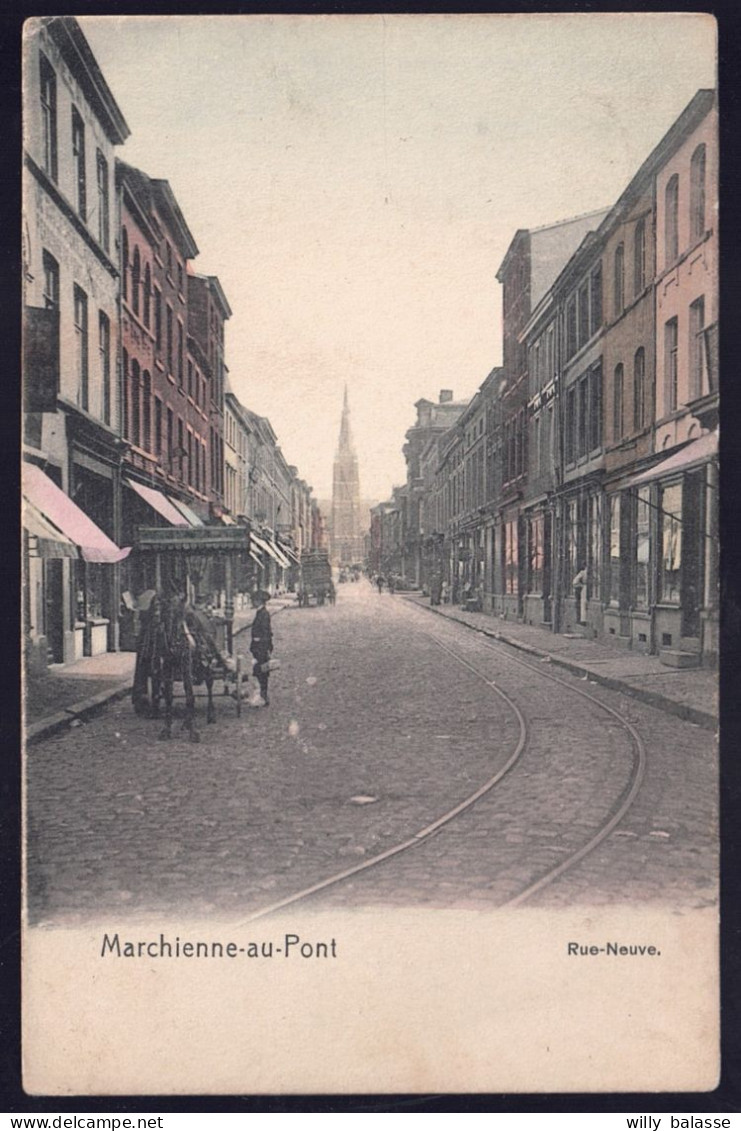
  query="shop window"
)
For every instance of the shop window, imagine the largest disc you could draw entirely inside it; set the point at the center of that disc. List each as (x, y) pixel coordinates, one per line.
(671, 544)
(510, 557)
(535, 554)
(642, 547)
(614, 559)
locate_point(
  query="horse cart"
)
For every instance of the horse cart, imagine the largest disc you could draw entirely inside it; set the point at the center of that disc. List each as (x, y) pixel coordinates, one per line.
(179, 641)
(316, 579)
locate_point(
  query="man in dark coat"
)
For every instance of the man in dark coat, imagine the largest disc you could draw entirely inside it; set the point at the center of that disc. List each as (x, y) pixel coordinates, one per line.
(261, 645)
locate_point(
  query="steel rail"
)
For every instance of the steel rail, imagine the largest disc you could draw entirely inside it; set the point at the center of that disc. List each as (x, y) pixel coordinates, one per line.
(618, 812)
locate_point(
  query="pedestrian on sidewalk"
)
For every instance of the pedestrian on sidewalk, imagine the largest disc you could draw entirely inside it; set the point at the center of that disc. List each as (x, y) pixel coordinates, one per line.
(261, 644)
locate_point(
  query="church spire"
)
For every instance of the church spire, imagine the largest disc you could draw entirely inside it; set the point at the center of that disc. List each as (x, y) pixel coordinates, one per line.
(345, 436)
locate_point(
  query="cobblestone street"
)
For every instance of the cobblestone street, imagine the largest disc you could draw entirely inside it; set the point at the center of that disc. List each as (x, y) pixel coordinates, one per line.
(382, 719)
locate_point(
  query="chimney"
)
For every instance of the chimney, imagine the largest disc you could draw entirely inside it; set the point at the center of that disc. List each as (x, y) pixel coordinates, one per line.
(446, 396)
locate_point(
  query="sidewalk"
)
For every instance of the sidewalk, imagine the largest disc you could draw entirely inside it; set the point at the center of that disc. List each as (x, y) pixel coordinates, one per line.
(690, 695)
(64, 694)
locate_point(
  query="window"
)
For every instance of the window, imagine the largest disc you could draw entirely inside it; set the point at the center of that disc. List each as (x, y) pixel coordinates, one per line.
(157, 426)
(135, 403)
(104, 346)
(168, 257)
(639, 257)
(583, 308)
(104, 231)
(158, 319)
(615, 549)
(697, 193)
(170, 444)
(136, 270)
(147, 295)
(126, 398)
(78, 157)
(180, 354)
(180, 277)
(535, 554)
(639, 389)
(49, 116)
(536, 445)
(571, 337)
(642, 544)
(596, 312)
(595, 407)
(619, 282)
(81, 347)
(671, 340)
(671, 220)
(147, 411)
(582, 418)
(51, 281)
(697, 351)
(510, 557)
(671, 544)
(125, 264)
(571, 425)
(168, 333)
(618, 403)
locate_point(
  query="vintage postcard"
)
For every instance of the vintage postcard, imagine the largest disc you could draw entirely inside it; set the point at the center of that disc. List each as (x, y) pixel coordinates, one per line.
(370, 621)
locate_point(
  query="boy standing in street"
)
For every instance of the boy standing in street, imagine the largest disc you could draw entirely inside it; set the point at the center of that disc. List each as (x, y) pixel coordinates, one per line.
(261, 644)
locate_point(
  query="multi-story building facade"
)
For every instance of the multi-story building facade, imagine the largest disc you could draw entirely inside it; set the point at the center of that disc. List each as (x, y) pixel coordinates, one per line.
(72, 125)
(208, 312)
(163, 398)
(532, 261)
(433, 419)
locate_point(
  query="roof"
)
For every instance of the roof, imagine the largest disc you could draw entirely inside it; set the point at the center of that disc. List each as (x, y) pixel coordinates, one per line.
(150, 194)
(77, 53)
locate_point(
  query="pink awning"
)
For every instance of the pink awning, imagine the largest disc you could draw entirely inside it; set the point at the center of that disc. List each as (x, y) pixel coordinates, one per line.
(693, 455)
(157, 501)
(95, 546)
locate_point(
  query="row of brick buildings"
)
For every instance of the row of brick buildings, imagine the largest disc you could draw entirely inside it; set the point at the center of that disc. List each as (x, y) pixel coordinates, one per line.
(578, 488)
(130, 419)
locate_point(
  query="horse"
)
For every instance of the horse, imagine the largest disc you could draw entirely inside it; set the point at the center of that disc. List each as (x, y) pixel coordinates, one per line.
(175, 644)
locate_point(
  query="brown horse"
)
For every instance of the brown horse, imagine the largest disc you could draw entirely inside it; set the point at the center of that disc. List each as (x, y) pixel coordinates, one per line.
(174, 645)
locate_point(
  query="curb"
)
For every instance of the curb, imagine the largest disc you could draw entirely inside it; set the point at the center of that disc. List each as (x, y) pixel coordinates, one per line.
(652, 698)
(85, 708)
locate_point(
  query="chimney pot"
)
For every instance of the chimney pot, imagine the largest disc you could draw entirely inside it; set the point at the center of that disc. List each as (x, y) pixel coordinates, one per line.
(446, 396)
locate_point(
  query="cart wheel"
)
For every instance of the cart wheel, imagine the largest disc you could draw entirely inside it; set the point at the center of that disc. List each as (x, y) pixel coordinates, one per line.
(239, 686)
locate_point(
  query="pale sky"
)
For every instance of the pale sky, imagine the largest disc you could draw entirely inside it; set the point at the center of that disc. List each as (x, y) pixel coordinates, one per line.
(355, 181)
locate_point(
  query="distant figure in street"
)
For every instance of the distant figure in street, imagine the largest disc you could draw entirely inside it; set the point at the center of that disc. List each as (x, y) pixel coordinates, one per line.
(379, 583)
(261, 644)
(392, 584)
(436, 591)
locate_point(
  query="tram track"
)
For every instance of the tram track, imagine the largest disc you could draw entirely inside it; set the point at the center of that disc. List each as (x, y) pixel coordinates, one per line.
(616, 813)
